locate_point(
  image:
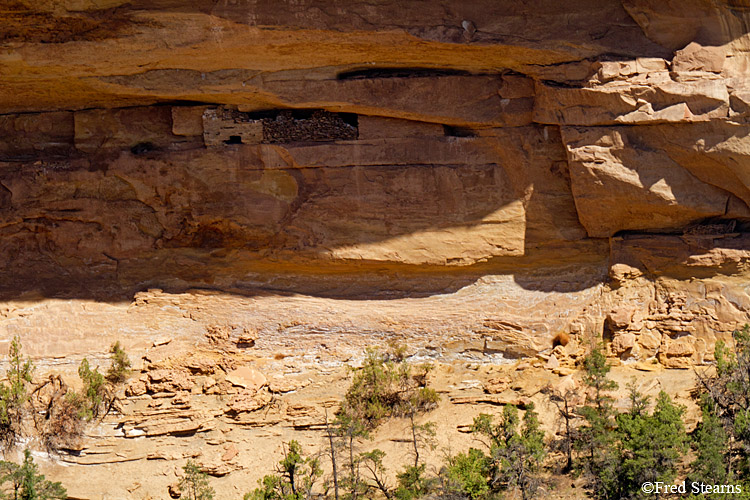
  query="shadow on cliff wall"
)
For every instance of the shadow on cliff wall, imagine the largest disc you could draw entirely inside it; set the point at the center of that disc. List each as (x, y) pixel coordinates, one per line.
(36, 267)
(385, 218)
(366, 282)
(235, 224)
(49, 253)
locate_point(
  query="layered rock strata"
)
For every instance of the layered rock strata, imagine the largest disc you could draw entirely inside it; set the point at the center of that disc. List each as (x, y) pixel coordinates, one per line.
(229, 145)
(250, 179)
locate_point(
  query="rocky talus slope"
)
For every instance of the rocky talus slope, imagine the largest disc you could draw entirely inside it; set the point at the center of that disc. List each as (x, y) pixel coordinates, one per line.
(247, 194)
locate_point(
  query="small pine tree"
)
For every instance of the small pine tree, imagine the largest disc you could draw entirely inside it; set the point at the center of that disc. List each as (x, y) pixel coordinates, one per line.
(295, 477)
(23, 482)
(413, 481)
(523, 453)
(350, 430)
(89, 402)
(34, 486)
(467, 475)
(10, 480)
(383, 387)
(14, 395)
(710, 465)
(372, 461)
(119, 370)
(515, 457)
(650, 445)
(194, 483)
(596, 377)
(597, 437)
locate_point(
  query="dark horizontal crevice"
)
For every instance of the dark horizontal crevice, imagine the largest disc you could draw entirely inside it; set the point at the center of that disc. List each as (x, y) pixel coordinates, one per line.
(142, 148)
(360, 74)
(450, 131)
(611, 56)
(31, 156)
(710, 226)
(553, 83)
(155, 104)
(181, 103)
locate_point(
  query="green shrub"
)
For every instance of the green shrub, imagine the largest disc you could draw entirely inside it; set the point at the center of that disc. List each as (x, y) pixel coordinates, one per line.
(295, 477)
(194, 483)
(23, 482)
(468, 475)
(650, 446)
(413, 483)
(14, 395)
(384, 387)
(711, 443)
(515, 455)
(90, 401)
(119, 371)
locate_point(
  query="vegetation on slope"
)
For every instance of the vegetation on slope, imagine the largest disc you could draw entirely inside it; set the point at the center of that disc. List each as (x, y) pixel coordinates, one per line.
(615, 453)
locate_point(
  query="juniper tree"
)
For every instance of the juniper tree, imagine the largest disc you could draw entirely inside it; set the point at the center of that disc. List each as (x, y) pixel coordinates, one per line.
(729, 392)
(385, 386)
(119, 370)
(650, 446)
(14, 395)
(597, 437)
(194, 483)
(24, 482)
(710, 465)
(413, 483)
(295, 477)
(515, 457)
(467, 475)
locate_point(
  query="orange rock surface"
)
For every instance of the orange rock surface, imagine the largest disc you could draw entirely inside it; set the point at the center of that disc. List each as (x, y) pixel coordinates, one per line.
(250, 193)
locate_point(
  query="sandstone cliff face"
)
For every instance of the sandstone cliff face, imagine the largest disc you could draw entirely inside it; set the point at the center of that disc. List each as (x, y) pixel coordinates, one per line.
(458, 174)
(244, 146)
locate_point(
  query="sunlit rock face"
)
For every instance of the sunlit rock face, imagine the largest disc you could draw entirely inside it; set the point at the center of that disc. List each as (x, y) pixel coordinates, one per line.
(247, 194)
(528, 167)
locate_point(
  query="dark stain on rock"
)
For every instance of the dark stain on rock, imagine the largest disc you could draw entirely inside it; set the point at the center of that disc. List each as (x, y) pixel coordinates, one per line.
(23, 25)
(5, 197)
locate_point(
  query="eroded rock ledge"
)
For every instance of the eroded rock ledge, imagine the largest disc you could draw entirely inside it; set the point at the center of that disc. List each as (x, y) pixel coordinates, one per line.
(352, 154)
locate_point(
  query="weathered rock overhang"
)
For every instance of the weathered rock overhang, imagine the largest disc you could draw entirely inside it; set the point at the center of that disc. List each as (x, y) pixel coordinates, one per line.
(366, 153)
